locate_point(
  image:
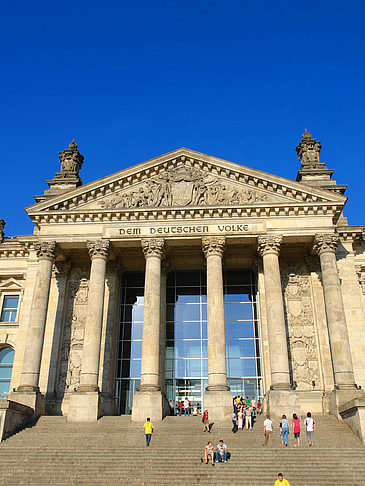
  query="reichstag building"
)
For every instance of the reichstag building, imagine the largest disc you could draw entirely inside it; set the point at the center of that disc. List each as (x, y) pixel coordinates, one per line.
(186, 275)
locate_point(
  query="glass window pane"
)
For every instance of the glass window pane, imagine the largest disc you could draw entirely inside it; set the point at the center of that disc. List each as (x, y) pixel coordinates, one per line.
(4, 389)
(187, 312)
(238, 294)
(188, 349)
(240, 349)
(238, 312)
(134, 296)
(236, 330)
(134, 279)
(188, 298)
(187, 330)
(186, 279)
(237, 277)
(6, 316)
(204, 330)
(137, 313)
(204, 349)
(242, 367)
(137, 330)
(5, 372)
(11, 301)
(135, 371)
(7, 356)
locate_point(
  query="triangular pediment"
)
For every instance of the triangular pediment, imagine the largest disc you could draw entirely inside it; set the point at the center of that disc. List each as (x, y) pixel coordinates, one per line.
(10, 284)
(185, 179)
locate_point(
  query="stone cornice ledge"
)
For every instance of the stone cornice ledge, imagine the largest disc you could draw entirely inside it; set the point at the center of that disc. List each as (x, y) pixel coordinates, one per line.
(189, 213)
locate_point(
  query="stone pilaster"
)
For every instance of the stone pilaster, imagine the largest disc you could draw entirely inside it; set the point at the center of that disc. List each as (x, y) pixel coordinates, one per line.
(84, 404)
(217, 397)
(148, 400)
(28, 390)
(281, 397)
(326, 245)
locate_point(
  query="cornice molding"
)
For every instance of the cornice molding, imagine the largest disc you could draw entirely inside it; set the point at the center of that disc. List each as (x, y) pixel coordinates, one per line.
(189, 213)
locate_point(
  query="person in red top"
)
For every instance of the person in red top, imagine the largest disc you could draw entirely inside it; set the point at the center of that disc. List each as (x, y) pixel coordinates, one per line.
(205, 421)
(259, 409)
(180, 407)
(296, 423)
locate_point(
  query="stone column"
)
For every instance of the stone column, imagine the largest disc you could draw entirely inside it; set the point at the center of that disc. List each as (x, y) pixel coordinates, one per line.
(326, 245)
(217, 397)
(148, 400)
(269, 249)
(162, 346)
(34, 343)
(84, 404)
(280, 398)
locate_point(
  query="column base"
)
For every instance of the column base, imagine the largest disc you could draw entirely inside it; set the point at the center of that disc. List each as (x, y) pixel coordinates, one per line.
(282, 402)
(339, 397)
(219, 404)
(148, 404)
(84, 407)
(32, 399)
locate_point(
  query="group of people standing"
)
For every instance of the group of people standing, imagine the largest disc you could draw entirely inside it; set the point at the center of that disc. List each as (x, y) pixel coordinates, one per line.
(184, 406)
(285, 430)
(244, 413)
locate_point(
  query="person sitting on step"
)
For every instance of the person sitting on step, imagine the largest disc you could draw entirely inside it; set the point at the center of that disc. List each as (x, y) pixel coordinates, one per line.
(221, 452)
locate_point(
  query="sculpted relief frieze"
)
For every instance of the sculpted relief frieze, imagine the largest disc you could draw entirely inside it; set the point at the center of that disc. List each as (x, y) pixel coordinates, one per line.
(73, 332)
(299, 316)
(184, 186)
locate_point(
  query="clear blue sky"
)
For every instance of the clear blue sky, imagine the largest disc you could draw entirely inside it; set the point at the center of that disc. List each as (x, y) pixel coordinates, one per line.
(132, 80)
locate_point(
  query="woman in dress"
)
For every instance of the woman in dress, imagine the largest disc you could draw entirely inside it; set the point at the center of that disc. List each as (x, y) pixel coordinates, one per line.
(209, 451)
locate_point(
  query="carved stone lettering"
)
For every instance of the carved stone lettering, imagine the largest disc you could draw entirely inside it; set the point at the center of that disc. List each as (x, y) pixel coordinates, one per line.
(184, 186)
(303, 350)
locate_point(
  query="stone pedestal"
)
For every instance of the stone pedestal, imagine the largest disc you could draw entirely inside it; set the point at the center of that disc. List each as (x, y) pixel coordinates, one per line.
(148, 404)
(282, 402)
(339, 397)
(32, 399)
(84, 407)
(219, 405)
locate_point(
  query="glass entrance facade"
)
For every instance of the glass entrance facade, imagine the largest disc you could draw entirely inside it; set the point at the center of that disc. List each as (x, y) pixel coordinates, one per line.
(186, 336)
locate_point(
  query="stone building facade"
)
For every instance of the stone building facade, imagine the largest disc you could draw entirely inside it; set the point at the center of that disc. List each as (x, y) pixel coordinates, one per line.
(186, 275)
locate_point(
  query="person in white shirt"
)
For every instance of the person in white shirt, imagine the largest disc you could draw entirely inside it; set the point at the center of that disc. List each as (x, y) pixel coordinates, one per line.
(310, 427)
(267, 430)
(221, 452)
(186, 407)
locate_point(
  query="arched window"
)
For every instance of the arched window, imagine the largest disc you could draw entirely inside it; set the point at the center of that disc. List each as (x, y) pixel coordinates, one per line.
(6, 367)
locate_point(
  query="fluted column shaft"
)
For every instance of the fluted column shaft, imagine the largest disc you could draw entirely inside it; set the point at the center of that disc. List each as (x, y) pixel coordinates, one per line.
(162, 343)
(99, 253)
(326, 245)
(150, 365)
(269, 248)
(213, 248)
(37, 322)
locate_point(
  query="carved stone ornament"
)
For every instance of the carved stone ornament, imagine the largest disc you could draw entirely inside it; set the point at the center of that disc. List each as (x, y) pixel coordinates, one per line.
(308, 151)
(360, 271)
(71, 160)
(99, 249)
(303, 352)
(153, 247)
(2, 233)
(46, 250)
(73, 332)
(184, 186)
(326, 242)
(213, 245)
(269, 244)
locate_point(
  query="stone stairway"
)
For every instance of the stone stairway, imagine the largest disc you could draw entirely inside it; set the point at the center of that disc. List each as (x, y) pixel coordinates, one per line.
(113, 452)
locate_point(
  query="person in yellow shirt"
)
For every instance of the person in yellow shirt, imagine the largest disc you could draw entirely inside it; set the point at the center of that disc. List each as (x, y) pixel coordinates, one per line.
(148, 429)
(281, 481)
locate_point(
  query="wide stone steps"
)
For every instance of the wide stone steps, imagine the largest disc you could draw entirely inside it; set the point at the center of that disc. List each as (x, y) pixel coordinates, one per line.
(113, 452)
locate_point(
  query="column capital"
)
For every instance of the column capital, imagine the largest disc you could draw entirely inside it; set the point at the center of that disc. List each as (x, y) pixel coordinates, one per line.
(325, 243)
(269, 244)
(213, 245)
(153, 247)
(99, 249)
(46, 250)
